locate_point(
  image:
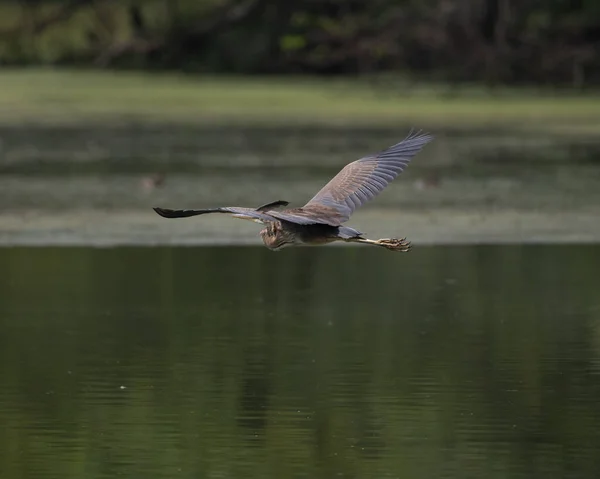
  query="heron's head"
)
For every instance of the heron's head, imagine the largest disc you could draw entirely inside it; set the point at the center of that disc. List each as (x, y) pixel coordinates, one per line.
(275, 237)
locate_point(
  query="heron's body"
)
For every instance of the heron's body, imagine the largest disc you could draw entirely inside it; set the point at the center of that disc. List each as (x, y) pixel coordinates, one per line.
(284, 233)
(321, 220)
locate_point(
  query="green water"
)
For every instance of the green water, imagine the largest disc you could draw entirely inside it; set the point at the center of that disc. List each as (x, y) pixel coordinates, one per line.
(237, 362)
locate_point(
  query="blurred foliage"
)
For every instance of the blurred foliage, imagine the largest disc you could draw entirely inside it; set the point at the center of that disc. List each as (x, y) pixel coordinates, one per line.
(461, 362)
(554, 42)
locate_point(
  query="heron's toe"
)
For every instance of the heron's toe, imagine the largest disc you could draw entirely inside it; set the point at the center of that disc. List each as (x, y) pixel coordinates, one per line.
(395, 244)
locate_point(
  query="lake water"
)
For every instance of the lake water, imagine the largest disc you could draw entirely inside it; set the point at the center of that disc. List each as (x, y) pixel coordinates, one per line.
(237, 362)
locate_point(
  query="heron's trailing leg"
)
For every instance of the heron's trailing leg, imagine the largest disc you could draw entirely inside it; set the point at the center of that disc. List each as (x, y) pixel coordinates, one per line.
(389, 243)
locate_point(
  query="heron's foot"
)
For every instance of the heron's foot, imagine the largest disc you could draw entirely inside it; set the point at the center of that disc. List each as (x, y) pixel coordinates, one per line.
(395, 244)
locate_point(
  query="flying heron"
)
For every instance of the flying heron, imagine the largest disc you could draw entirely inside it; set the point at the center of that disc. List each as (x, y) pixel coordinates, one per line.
(320, 220)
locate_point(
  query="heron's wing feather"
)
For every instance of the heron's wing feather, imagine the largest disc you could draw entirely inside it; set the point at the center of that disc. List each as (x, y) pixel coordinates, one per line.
(167, 213)
(273, 205)
(363, 179)
(249, 213)
(316, 214)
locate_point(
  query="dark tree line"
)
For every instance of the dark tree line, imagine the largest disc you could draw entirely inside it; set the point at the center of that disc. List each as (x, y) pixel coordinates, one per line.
(554, 42)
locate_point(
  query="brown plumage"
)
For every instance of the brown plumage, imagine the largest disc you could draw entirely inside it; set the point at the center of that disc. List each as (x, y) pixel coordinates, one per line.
(320, 220)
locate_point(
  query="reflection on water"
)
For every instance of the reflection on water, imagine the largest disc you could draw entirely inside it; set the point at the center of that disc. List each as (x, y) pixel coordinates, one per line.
(326, 362)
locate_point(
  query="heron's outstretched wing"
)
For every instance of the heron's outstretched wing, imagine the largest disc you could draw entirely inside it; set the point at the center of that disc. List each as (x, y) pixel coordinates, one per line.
(357, 183)
(246, 213)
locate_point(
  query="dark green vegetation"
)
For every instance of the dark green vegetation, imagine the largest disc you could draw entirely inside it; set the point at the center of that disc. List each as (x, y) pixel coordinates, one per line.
(553, 42)
(345, 362)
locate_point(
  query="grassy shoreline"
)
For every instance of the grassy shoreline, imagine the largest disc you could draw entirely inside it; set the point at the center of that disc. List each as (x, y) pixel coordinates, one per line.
(71, 96)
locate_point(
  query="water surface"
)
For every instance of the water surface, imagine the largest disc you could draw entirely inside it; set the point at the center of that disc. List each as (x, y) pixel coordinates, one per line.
(457, 362)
